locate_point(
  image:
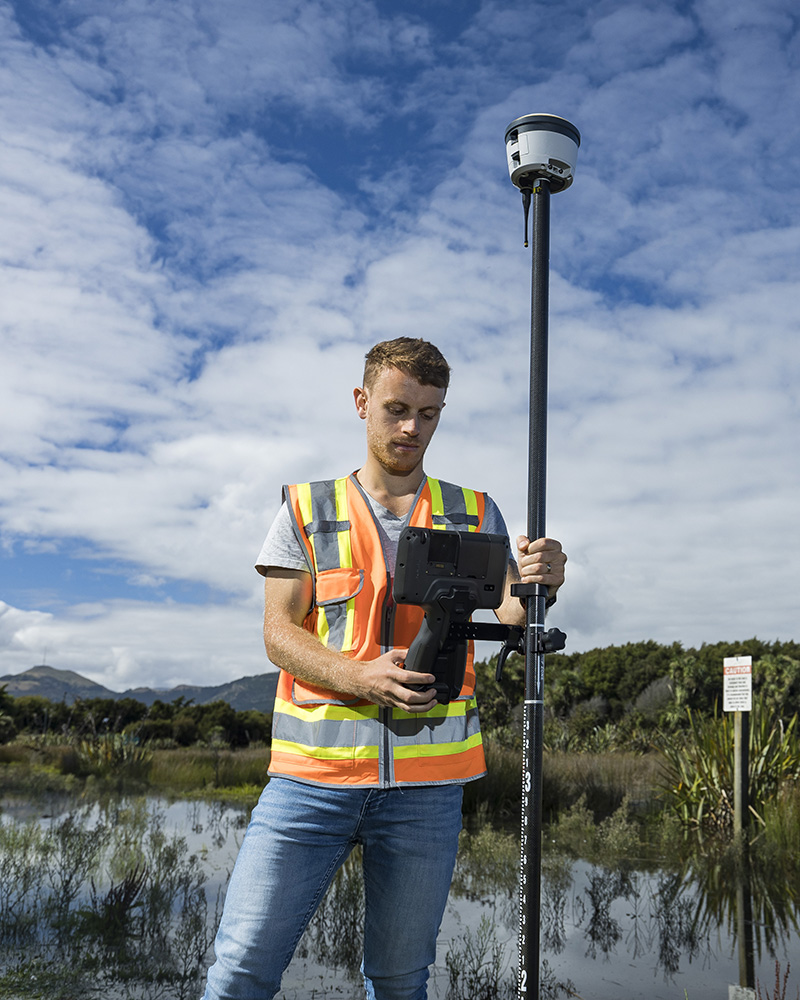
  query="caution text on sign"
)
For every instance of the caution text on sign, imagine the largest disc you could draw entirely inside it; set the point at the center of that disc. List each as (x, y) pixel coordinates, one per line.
(737, 684)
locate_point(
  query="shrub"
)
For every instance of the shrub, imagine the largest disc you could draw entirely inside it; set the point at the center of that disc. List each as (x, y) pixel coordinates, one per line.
(699, 770)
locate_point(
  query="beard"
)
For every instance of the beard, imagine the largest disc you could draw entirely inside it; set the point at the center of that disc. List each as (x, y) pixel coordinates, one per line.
(394, 459)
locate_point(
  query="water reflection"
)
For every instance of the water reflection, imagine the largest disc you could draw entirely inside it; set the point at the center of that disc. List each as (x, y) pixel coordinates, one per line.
(700, 920)
(108, 899)
(121, 898)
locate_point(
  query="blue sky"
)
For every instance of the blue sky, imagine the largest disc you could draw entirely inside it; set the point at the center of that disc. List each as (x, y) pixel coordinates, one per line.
(211, 211)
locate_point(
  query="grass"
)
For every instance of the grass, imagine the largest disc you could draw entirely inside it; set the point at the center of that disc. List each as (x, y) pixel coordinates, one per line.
(781, 983)
(602, 780)
(207, 770)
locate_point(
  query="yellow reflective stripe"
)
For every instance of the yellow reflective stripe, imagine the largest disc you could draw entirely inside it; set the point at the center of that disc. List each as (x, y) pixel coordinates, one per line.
(336, 713)
(306, 508)
(323, 629)
(345, 558)
(471, 503)
(437, 503)
(306, 517)
(450, 710)
(326, 753)
(345, 552)
(436, 749)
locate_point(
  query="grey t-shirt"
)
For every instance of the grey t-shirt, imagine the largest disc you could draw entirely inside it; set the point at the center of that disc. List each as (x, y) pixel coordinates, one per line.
(282, 548)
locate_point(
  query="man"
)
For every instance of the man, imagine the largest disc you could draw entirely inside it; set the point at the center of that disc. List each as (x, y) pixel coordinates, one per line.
(362, 752)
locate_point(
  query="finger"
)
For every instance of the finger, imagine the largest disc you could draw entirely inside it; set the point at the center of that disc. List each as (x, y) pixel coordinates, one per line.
(543, 545)
(418, 679)
(419, 701)
(420, 709)
(540, 569)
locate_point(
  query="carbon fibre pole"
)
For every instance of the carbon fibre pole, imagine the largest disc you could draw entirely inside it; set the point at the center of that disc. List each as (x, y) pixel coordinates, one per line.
(541, 153)
(533, 714)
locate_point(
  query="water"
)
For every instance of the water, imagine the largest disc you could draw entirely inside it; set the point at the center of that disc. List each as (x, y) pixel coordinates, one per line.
(652, 927)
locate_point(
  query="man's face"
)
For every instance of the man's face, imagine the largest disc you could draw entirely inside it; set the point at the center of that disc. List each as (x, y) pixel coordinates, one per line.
(401, 416)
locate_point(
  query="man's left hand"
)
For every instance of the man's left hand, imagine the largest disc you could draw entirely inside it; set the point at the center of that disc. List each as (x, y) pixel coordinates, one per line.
(541, 561)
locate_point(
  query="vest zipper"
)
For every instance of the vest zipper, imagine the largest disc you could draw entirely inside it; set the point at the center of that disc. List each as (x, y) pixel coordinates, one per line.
(385, 712)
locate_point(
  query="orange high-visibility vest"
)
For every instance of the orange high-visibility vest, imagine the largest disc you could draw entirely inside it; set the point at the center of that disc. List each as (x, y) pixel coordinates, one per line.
(329, 737)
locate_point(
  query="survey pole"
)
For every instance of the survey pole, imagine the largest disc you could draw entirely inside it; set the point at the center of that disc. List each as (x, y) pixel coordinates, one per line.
(541, 152)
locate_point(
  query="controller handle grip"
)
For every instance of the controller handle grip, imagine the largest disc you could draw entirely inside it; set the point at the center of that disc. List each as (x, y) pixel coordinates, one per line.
(424, 650)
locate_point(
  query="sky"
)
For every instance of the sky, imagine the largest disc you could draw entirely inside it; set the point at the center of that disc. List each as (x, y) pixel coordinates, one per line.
(209, 212)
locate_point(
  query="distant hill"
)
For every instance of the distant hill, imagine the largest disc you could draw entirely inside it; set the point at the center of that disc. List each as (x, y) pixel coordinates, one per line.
(65, 685)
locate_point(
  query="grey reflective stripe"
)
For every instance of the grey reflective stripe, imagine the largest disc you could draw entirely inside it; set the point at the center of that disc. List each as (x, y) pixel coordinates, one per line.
(327, 732)
(324, 530)
(455, 507)
(327, 526)
(470, 519)
(424, 730)
(336, 617)
(326, 539)
(368, 732)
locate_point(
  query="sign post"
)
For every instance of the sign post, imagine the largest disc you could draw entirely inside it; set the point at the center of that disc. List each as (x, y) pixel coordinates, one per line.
(737, 697)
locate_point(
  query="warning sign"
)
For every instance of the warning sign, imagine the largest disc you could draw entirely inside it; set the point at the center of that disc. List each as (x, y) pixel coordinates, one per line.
(737, 684)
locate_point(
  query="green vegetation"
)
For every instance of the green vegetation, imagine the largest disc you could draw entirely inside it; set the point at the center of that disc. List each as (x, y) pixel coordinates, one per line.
(621, 697)
(699, 771)
(635, 722)
(641, 721)
(164, 724)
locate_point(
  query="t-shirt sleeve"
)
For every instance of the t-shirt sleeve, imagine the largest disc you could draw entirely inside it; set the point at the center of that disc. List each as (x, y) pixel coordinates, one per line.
(493, 521)
(281, 547)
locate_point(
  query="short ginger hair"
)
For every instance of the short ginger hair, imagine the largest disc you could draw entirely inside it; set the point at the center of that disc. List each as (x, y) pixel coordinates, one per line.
(411, 355)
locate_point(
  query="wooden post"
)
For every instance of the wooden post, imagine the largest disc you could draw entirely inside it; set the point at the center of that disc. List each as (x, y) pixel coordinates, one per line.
(741, 772)
(737, 697)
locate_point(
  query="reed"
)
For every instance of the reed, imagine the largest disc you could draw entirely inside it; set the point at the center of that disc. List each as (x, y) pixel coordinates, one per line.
(602, 780)
(200, 768)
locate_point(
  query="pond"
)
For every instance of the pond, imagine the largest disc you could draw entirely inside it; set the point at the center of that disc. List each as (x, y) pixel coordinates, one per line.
(120, 899)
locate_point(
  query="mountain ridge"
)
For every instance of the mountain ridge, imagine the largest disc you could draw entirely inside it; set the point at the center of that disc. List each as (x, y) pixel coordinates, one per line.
(256, 692)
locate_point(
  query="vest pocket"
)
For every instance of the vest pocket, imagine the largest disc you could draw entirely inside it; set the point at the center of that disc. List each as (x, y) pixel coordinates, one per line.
(334, 607)
(310, 695)
(339, 584)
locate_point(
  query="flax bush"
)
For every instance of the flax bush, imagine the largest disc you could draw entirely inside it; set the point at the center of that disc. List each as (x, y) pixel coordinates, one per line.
(699, 766)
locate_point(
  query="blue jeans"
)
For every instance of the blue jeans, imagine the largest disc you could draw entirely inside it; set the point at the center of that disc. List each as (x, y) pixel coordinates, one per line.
(298, 837)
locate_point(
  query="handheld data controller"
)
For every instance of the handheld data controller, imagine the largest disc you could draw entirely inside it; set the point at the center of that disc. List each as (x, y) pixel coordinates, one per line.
(450, 574)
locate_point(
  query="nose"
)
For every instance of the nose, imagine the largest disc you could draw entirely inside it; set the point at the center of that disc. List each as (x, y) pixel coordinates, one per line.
(411, 426)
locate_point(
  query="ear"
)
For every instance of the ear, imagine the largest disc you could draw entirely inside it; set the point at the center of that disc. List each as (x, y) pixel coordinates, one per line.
(361, 399)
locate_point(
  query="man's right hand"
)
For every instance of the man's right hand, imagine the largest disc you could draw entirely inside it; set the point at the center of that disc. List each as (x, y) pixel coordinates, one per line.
(385, 682)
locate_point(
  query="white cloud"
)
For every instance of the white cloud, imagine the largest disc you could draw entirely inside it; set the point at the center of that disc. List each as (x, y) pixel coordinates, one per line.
(125, 644)
(211, 214)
